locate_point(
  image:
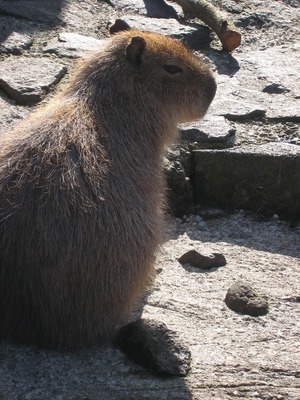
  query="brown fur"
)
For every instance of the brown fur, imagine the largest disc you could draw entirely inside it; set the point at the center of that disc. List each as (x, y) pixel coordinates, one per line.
(82, 190)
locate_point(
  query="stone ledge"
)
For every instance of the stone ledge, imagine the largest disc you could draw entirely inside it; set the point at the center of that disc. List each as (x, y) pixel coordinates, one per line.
(27, 79)
(264, 178)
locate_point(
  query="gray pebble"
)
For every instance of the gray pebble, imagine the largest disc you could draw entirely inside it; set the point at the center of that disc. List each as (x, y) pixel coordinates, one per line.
(242, 298)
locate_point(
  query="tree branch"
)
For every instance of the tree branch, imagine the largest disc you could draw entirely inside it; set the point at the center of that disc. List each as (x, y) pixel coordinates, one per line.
(226, 31)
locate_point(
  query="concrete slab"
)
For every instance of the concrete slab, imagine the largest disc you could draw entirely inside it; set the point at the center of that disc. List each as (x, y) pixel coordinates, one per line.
(264, 178)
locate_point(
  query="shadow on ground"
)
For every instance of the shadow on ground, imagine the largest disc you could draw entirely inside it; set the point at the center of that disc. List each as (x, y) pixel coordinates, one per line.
(244, 229)
(158, 8)
(25, 16)
(101, 372)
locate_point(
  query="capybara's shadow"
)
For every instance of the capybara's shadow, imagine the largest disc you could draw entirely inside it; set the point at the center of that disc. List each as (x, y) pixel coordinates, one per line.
(100, 372)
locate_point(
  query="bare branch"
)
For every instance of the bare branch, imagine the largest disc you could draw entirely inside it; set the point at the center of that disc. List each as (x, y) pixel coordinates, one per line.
(226, 31)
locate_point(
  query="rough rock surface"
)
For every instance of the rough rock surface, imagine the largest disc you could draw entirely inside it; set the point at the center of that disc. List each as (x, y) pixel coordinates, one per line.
(233, 355)
(154, 346)
(10, 113)
(73, 45)
(241, 297)
(180, 194)
(241, 93)
(28, 79)
(14, 42)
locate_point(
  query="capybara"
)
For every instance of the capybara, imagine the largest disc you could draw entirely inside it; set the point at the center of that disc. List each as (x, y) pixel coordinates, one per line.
(82, 189)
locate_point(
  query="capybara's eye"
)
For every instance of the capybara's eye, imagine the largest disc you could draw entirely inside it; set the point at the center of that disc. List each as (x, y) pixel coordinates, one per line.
(172, 69)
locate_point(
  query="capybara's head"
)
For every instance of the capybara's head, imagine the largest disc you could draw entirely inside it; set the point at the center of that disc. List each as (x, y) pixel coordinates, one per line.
(153, 69)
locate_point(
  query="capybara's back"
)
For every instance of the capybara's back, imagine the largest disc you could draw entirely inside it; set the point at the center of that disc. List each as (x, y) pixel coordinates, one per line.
(82, 190)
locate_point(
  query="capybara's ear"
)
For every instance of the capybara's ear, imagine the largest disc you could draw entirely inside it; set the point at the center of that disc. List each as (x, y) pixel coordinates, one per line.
(135, 50)
(119, 26)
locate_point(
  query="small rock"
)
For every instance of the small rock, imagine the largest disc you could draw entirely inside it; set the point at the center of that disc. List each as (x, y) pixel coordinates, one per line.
(242, 298)
(155, 347)
(14, 42)
(275, 88)
(202, 261)
(211, 213)
(27, 79)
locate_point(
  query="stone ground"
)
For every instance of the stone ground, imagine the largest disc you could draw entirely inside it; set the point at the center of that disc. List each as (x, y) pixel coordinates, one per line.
(258, 101)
